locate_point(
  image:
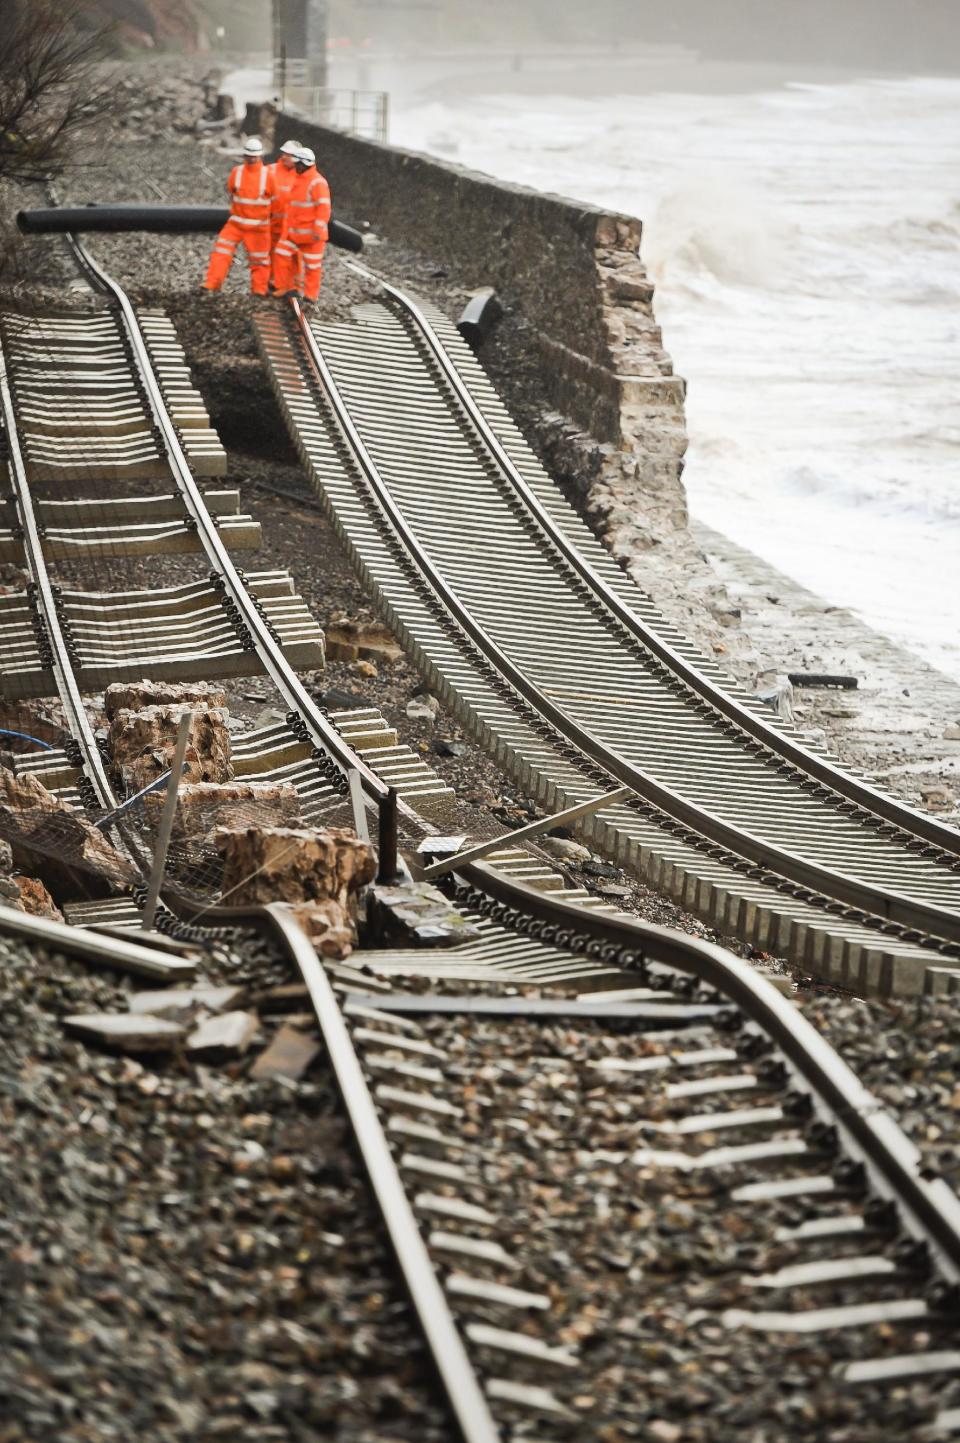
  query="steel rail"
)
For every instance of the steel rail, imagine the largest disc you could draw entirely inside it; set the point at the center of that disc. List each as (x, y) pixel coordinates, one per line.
(821, 769)
(66, 681)
(116, 952)
(460, 1383)
(870, 1132)
(867, 1131)
(298, 699)
(791, 868)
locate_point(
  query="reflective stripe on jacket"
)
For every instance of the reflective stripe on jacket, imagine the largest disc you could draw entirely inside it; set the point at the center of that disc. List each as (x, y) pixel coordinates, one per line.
(251, 189)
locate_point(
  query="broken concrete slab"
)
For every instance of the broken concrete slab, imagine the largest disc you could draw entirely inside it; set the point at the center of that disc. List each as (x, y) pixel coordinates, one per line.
(289, 1055)
(136, 695)
(289, 864)
(126, 1031)
(417, 914)
(185, 1002)
(141, 744)
(223, 1037)
(348, 640)
(289, 997)
(329, 927)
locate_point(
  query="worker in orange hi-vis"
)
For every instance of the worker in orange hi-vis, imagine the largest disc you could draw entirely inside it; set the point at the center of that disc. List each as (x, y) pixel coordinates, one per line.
(284, 172)
(251, 190)
(304, 230)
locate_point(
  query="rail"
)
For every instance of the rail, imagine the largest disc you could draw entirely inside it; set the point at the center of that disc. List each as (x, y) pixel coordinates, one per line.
(795, 869)
(870, 798)
(288, 684)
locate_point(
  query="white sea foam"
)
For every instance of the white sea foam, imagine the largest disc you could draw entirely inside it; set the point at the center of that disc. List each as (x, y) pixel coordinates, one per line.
(806, 248)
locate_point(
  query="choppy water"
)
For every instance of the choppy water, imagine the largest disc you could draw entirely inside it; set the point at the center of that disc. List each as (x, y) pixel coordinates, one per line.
(806, 247)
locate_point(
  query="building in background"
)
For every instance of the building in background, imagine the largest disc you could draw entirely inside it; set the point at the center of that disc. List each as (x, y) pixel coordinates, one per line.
(300, 29)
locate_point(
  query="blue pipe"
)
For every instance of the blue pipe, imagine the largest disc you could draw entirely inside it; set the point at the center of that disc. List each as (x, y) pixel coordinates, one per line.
(22, 736)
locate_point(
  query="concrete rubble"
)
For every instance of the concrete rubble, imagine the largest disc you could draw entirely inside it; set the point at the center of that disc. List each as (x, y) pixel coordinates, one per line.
(289, 1055)
(35, 899)
(415, 914)
(202, 807)
(126, 1031)
(141, 744)
(32, 819)
(224, 1036)
(137, 695)
(289, 864)
(183, 1003)
(348, 640)
(319, 873)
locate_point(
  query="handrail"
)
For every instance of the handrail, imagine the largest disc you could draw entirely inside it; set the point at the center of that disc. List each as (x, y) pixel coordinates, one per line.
(905, 911)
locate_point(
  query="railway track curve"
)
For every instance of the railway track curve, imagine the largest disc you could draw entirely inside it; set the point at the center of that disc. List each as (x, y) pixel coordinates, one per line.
(877, 1252)
(567, 674)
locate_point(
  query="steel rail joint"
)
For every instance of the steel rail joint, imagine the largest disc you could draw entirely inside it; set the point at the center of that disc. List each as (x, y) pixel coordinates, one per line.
(932, 1205)
(756, 726)
(793, 869)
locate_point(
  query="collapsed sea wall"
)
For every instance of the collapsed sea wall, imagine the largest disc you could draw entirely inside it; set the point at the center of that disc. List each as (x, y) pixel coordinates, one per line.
(579, 357)
(611, 418)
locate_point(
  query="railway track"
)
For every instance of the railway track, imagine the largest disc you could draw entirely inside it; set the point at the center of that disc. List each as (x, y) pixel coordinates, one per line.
(851, 1239)
(565, 672)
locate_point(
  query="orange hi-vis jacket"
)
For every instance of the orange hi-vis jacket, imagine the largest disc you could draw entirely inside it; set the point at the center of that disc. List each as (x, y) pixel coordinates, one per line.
(284, 177)
(252, 190)
(303, 237)
(307, 211)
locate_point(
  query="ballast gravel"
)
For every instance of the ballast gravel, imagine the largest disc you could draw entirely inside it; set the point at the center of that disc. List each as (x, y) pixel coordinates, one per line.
(185, 1253)
(641, 1261)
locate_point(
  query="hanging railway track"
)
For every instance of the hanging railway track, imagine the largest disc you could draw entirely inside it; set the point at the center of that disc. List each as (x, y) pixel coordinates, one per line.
(565, 672)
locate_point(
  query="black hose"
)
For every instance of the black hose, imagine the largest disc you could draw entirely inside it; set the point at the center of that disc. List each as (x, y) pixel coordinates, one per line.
(155, 219)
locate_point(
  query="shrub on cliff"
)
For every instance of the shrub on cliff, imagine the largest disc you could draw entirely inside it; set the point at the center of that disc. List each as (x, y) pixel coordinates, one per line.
(51, 93)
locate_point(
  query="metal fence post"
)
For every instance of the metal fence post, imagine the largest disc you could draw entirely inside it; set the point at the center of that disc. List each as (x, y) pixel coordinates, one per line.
(358, 805)
(166, 820)
(387, 861)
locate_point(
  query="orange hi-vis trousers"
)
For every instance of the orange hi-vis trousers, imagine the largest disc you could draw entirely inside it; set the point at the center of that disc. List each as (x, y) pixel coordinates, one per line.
(286, 258)
(256, 238)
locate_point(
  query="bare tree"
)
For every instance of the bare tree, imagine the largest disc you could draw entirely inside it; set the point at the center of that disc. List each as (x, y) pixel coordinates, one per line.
(52, 90)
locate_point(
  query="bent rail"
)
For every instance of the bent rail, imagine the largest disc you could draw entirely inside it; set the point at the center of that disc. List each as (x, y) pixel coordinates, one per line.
(873, 1134)
(797, 870)
(820, 768)
(289, 685)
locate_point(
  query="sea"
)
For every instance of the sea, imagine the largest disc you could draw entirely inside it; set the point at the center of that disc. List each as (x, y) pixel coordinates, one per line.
(805, 244)
(803, 232)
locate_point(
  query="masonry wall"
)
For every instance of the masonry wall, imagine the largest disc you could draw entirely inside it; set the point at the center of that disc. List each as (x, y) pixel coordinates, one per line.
(580, 334)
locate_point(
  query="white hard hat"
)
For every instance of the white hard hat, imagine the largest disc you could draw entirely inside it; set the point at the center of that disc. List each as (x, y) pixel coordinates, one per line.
(291, 147)
(253, 145)
(305, 156)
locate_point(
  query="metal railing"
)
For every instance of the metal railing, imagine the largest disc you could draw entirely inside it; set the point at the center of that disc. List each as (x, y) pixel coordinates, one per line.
(356, 112)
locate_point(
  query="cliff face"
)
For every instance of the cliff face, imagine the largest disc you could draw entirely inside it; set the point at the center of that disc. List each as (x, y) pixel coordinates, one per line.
(151, 24)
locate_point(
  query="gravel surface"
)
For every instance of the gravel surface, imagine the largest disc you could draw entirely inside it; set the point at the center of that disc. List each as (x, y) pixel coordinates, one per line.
(186, 1253)
(640, 1262)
